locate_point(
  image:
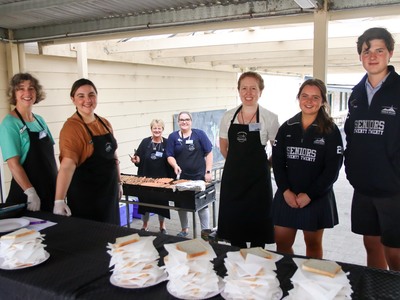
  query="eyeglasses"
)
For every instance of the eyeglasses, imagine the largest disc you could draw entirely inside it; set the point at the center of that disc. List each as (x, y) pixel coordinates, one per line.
(185, 120)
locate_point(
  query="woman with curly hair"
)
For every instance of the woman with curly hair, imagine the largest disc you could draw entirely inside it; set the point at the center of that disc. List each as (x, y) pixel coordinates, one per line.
(28, 147)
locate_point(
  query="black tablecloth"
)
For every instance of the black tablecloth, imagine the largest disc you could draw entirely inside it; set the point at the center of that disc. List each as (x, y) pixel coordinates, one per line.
(78, 267)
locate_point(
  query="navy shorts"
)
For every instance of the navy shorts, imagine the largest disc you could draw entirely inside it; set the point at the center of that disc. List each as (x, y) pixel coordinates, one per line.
(377, 217)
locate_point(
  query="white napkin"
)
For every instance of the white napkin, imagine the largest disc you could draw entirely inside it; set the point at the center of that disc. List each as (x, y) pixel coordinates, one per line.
(194, 277)
(252, 277)
(136, 264)
(22, 252)
(308, 285)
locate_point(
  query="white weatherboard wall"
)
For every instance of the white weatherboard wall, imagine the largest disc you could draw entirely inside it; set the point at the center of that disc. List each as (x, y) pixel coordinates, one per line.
(129, 96)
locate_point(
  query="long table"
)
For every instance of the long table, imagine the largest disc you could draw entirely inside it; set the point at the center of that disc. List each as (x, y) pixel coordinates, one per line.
(189, 201)
(78, 267)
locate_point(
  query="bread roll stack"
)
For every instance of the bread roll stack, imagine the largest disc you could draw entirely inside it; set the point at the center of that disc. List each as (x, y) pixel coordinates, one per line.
(22, 248)
(190, 271)
(251, 275)
(135, 262)
(319, 279)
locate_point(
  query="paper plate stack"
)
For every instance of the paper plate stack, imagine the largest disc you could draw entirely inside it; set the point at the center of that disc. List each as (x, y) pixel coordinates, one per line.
(21, 249)
(251, 275)
(319, 279)
(190, 271)
(135, 262)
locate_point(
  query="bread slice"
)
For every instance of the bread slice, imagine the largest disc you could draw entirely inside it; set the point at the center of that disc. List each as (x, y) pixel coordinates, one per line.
(23, 232)
(126, 240)
(193, 248)
(256, 251)
(322, 267)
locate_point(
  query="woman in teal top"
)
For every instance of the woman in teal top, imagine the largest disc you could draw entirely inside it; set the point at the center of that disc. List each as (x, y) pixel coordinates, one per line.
(28, 147)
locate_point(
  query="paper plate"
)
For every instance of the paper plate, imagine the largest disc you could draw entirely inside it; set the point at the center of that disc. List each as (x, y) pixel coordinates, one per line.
(12, 224)
(191, 297)
(46, 257)
(134, 286)
(278, 295)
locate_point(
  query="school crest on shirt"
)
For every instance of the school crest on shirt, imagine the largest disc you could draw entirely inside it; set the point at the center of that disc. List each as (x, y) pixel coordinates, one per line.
(319, 141)
(389, 110)
(354, 103)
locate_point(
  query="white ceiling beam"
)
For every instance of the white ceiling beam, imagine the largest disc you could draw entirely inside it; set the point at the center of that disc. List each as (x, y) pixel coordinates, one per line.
(295, 45)
(193, 40)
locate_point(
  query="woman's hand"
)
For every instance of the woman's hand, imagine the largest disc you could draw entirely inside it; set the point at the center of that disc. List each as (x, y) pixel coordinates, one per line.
(177, 170)
(303, 200)
(61, 208)
(33, 199)
(290, 198)
(135, 159)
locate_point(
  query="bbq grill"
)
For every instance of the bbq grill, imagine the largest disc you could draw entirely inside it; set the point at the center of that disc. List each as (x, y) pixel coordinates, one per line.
(167, 196)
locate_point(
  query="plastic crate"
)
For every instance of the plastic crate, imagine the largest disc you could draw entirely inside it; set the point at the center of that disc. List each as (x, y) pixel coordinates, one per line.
(135, 213)
(122, 213)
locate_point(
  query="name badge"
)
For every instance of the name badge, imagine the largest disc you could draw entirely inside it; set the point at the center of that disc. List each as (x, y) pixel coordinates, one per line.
(254, 127)
(189, 142)
(42, 134)
(159, 154)
(22, 129)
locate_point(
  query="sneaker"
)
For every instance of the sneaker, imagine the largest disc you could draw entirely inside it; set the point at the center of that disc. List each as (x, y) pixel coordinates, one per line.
(183, 234)
(144, 229)
(163, 231)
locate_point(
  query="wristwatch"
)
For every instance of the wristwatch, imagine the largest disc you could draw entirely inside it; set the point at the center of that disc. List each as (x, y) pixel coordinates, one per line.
(208, 172)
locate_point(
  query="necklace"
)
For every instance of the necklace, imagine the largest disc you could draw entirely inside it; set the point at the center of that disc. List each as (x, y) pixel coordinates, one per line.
(156, 145)
(244, 122)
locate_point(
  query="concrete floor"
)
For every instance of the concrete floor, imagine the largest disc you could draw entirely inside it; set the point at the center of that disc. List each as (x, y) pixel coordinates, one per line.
(340, 244)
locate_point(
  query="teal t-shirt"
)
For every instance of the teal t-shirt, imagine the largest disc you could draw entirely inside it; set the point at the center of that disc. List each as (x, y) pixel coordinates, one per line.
(14, 139)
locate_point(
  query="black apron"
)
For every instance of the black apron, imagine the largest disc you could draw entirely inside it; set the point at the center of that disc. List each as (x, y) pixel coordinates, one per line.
(93, 192)
(156, 167)
(41, 168)
(191, 160)
(246, 189)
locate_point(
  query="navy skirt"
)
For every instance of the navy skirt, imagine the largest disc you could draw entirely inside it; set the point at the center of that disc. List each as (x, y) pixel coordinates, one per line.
(320, 213)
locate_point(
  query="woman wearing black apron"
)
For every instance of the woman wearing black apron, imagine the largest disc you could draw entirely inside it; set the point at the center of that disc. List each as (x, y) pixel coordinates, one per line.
(246, 191)
(28, 147)
(151, 160)
(89, 171)
(189, 152)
